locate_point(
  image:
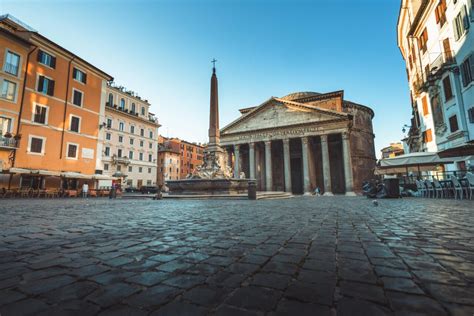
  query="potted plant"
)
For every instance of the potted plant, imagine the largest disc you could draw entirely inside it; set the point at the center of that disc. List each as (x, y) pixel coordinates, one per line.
(7, 135)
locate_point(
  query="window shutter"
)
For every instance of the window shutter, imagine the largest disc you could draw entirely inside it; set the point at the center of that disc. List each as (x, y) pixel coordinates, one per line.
(51, 88)
(465, 18)
(74, 72)
(40, 55)
(471, 62)
(40, 83)
(53, 62)
(437, 14)
(85, 78)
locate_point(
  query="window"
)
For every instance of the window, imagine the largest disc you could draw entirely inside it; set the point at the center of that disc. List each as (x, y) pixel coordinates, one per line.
(79, 75)
(122, 104)
(119, 153)
(108, 136)
(107, 151)
(131, 141)
(141, 156)
(130, 169)
(424, 102)
(106, 166)
(142, 132)
(148, 182)
(467, 70)
(423, 40)
(149, 170)
(141, 143)
(119, 168)
(150, 145)
(40, 114)
(120, 139)
(470, 113)
(12, 63)
(45, 85)
(111, 99)
(72, 151)
(133, 108)
(150, 157)
(132, 129)
(36, 145)
(121, 126)
(453, 123)
(5, 125)
(74, 124)
(461, 23)
(46, 59)
(109, 123)
(448, 92)
(140, 169)
(130, 154)
(9, 90)
(143, 110)
(448, 54)
(76, 97)
(440, 13)
(151, 134)
(427, 136)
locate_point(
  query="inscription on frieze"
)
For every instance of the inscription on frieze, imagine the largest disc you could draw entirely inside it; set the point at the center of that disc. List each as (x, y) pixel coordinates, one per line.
(300, 131)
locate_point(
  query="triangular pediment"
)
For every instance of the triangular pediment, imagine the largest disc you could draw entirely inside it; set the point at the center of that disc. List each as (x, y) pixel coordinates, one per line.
(276, 112)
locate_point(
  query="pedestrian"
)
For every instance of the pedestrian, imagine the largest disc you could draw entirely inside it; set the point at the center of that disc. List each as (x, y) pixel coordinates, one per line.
(112, 192)
(317, 191)
(85, 190)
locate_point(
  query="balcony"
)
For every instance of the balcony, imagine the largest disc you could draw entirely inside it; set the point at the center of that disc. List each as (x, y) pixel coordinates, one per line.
(8, 143)
(120, 160)
(442, 60)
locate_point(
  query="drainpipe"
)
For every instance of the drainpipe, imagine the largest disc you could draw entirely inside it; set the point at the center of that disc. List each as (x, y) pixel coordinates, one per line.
(65, 108)
(22, 101)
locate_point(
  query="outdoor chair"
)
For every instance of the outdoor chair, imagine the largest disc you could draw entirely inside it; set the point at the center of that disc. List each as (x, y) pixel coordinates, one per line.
(429, 188)
(41, 193)
(439, 190)
(25, 193)
(457, 187)
(420, 188)
(470, 181)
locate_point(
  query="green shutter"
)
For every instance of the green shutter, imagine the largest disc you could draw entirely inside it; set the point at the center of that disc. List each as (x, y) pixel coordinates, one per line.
(40, 83)
(51, 87)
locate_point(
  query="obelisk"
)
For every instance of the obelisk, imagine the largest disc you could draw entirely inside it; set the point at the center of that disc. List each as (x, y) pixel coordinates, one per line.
(214, 133)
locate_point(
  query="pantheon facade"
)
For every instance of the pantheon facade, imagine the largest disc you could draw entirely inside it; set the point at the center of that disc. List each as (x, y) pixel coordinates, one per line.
(303, 141)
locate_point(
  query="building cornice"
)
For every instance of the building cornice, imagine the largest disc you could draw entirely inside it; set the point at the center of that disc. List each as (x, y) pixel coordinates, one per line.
(132, 116)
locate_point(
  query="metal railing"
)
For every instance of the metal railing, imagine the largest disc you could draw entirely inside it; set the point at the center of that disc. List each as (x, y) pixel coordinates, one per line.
(8, 142)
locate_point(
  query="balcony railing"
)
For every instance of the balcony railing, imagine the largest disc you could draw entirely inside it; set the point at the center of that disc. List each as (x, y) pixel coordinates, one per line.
(120, 160)
(6, 142)
(443, 59)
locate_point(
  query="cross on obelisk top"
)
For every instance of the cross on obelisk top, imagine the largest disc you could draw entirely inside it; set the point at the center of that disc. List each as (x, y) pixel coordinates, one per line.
(213, 61)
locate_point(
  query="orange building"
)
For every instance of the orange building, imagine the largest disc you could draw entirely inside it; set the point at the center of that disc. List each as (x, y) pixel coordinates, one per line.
(178, 158)
(191, 157)
(55, 114)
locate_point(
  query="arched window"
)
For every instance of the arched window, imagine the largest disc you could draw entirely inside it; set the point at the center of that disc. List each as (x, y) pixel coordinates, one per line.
(122, 104)
(133, 107)
(111, 99)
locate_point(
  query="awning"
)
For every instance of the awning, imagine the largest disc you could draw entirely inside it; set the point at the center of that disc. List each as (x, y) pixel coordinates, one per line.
(103, 177)
(466, 149)
(420, 161)
(76, 175)
(34, 172)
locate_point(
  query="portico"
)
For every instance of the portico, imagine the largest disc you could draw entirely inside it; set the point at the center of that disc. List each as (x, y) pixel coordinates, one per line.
(294, 147)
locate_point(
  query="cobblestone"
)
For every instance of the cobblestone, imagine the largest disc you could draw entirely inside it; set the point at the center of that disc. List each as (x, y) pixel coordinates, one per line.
(302, 256)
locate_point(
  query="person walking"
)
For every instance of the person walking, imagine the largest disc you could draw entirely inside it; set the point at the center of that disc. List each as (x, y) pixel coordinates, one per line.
(85, 190)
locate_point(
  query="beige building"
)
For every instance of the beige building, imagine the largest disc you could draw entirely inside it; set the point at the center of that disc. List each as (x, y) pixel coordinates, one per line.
(130, 138)
(170, 158)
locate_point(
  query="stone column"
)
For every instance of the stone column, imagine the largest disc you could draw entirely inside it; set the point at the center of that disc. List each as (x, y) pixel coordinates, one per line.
(326, 165)
(268, 166)
(287, 164)
(252, 161)
(236, 161)
(346, 152)
(304, 154)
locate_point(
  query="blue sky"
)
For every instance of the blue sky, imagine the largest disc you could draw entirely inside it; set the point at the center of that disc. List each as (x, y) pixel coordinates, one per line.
(163, 49)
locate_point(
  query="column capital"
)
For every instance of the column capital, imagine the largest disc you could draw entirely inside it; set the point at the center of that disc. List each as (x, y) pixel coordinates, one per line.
(237, 147)
(304, 140)
(324, 138)
(268, 143)
(345, 135)
(252, 144)
(286, 141)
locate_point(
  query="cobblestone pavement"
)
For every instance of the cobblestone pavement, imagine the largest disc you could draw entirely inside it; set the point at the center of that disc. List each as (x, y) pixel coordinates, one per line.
(301, 256)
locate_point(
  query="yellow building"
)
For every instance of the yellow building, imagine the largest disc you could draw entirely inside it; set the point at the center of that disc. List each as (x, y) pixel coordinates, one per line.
(52, 101)
(394, 150)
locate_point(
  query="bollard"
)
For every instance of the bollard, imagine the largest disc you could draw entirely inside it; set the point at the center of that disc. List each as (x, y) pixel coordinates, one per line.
(252, 190)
